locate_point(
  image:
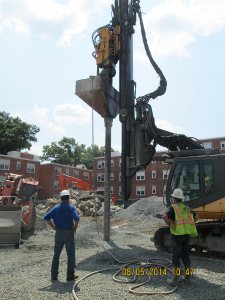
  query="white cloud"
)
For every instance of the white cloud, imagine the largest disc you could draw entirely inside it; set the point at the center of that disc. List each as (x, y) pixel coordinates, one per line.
(14, 23)
(71, 114)
(165, 125)
(174, 24)
(41, 117)
(49, 19)
(36, 149)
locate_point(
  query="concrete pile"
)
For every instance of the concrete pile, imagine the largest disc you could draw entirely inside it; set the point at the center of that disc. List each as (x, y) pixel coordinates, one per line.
(87, 203)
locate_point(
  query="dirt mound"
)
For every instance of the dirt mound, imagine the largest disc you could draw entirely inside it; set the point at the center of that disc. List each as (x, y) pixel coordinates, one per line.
(143, 207)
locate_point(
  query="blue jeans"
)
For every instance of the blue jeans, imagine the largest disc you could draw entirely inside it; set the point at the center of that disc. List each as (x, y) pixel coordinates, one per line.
(64, 237)
(180, 250)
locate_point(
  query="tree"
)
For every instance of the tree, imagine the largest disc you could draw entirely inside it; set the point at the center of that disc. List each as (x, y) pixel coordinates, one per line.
(68, 152)
(90, 153)
(15, 134)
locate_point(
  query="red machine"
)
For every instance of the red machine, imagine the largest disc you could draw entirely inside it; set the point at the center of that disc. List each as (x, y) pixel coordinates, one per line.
(18, 191)
(66, 181)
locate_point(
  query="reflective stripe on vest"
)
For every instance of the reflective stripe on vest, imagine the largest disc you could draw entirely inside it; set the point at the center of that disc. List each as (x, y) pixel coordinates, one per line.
(184, 221)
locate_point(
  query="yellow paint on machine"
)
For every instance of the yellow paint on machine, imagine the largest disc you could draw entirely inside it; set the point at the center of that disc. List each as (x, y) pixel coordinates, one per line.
(213, 211)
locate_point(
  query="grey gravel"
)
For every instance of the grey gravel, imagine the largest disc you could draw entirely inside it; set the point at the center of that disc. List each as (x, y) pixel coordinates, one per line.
(25, 272)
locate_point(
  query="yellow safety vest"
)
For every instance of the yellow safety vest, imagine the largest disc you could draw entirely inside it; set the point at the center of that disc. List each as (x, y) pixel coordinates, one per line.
(184, 221)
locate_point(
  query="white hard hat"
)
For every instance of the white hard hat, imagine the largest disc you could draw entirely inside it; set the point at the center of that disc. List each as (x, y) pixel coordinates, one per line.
(64, 193)
(178, 193)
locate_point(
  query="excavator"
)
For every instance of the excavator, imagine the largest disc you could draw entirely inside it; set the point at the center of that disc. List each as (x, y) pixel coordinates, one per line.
(17, 210)
(197, 171)
(66, 181)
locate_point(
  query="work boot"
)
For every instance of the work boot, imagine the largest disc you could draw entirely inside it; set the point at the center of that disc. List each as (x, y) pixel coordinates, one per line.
(72, 278)
(174, 281)
(188, 274)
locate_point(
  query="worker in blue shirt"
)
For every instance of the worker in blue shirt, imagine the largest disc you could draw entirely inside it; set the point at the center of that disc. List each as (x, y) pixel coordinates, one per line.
(63, 218)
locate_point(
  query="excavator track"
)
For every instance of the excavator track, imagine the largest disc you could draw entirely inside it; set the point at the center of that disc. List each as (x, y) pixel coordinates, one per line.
(209, 243)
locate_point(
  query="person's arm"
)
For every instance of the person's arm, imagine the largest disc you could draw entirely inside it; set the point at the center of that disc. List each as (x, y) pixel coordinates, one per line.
(48, 217)
(74, 227)
(166, 219)
(169, 217)
(50, 223)
(76, 219)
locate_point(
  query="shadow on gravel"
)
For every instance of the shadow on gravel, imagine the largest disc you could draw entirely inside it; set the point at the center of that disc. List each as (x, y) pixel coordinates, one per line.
(199, 289)
(105, 259)
(58, 287)
(26, 235)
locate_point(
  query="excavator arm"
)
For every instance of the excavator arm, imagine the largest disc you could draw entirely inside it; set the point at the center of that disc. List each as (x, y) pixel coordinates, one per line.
(65, 181)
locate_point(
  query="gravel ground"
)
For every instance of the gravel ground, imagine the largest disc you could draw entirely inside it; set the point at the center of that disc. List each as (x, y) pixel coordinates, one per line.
(25, 273)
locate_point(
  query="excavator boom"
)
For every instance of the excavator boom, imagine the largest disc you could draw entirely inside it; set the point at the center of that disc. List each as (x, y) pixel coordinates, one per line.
(66, 181)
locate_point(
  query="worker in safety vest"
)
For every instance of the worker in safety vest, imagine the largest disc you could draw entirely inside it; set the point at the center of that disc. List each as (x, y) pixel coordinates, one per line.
(181, 221)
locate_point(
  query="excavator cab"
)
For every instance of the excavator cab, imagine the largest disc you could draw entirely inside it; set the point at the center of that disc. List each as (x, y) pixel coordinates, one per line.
(201, 179)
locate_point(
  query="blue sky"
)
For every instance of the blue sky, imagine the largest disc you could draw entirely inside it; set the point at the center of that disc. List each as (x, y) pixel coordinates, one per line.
(45, 46)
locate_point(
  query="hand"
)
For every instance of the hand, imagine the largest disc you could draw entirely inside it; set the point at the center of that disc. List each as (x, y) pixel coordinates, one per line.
(74, 228)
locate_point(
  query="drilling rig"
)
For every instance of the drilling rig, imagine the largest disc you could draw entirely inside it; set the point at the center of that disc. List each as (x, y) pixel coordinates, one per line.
(191, 163)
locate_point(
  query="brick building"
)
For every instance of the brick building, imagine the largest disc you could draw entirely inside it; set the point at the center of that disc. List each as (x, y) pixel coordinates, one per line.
(16, 162)
(146, 182)
(49, 181)
(47, 174)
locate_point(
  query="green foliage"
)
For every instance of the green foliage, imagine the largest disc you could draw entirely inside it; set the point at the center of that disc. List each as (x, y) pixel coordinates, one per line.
(15, 134)
(68, 152)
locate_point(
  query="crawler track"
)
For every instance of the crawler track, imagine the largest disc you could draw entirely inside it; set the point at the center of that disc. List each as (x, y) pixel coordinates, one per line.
(209, 243)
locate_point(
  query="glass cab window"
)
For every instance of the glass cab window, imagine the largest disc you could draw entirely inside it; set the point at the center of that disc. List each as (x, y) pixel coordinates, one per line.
(208, 176)
(187, 177)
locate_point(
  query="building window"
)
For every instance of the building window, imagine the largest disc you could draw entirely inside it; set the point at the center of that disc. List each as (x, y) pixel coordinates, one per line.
(164, 189)
(101, 164)
(56, 185)
(153, 174)
(140, 190)
(57, 171)
(18, 165)
(30, 168)
(120, 163)
(86, 176)
(207, 145)
(112, 163)
(4, 164)
(68, 172)
(153, 189)
(222, 145)
(76, 173)
(166, 174)
(120, 190)
(111, 190)
(2, 180)
(100, 177)
(111, 176)
(120, 176)
(140, 175)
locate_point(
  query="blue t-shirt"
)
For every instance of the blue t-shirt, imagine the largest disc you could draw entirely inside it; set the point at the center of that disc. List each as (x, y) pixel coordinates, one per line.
(63, 215)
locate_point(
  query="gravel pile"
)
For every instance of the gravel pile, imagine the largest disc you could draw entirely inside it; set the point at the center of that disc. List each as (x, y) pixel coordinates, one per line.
(25, 273)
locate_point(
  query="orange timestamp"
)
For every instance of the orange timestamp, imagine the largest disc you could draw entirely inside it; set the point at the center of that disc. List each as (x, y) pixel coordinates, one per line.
(155, 271)
(144, 271)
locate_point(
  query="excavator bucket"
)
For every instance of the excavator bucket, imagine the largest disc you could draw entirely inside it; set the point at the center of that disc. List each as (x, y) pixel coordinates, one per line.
(10, 225)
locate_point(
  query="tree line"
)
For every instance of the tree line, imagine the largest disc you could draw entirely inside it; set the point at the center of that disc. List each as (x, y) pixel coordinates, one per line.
(17, 135)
